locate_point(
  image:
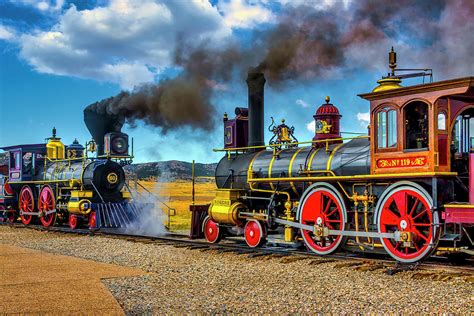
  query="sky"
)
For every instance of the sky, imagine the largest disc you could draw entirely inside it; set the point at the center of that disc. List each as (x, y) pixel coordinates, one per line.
(58, 56)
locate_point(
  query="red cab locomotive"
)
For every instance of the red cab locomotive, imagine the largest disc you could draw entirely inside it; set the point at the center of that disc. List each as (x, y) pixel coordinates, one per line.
(406, 189)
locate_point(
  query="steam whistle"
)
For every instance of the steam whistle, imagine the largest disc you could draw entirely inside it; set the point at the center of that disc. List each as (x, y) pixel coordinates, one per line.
(392, 61)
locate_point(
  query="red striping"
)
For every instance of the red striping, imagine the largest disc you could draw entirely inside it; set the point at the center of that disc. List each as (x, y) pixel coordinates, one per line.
(471, 178)
(459, 215)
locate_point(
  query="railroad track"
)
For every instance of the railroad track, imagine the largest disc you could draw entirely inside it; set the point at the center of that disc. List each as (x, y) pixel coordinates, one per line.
(236, 246)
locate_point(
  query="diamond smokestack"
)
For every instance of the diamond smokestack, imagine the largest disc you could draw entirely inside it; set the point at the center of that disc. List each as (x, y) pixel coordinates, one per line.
(100, 123)
(256, 82)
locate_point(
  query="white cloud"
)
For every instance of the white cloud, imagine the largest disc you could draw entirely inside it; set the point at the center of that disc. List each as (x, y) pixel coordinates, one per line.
(311, 126)
(244, 13)
(363, 118)
(302, 103)
(126, 42)
(6, 33)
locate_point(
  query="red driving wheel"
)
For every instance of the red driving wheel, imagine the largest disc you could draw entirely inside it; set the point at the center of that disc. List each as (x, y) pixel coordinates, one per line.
(407, 209)
(46, 203)
(73, 221)
(321, 206)
(92, 220)
(255, 233)
(26, 204)
(211, 230)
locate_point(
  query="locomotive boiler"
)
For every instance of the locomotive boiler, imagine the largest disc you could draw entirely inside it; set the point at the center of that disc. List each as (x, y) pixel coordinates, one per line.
(402, 189)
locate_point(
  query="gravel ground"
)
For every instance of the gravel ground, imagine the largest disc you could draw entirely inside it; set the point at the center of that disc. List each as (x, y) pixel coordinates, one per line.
(193, 281)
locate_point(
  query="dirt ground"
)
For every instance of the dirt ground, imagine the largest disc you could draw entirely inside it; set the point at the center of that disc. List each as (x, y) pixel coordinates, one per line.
(189, 281)
(38, 282)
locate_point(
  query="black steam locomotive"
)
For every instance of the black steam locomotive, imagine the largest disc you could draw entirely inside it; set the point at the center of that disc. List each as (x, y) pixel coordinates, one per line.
(53, 182)
(407, 188)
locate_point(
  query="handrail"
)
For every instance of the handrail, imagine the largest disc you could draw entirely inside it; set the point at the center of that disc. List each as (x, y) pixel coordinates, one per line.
(295, 143)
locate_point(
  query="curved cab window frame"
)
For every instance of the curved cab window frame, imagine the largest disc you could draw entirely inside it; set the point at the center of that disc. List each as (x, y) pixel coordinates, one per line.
(387, 128)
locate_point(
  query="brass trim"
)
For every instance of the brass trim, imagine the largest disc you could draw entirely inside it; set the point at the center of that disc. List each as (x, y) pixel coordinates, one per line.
(249, 171)
(290, 167)
(358, 177)
(311, 158)
(466, 82)
(270, 167)
(326, 141)
(467, 206)
(328, 166)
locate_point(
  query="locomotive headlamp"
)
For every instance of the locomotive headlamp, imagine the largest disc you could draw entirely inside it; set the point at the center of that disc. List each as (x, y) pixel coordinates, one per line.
(116, 144)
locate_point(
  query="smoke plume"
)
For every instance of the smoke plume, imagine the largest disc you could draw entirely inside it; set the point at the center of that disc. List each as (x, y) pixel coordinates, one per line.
(306, 43)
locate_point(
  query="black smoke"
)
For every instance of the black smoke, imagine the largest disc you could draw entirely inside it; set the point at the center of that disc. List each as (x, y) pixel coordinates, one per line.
(305, 44)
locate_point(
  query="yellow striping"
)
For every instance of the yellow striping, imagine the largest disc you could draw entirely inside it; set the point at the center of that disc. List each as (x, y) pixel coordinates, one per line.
(360, 177)
(270, 167)
(328, 167)
(290, 168)
(249, 171)
(311, 158)
(298, 143)
(459, 206)
(42, 181)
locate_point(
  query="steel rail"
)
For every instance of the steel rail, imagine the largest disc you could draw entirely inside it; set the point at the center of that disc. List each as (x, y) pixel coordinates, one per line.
(239, 247)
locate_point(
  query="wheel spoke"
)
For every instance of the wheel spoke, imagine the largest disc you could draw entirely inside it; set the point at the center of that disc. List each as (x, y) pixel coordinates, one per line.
(422, 224)
(400, 200)
(417, 233)
(328, 205)
(417, 201)
(332, 212)
(389, 218)
(420, 214)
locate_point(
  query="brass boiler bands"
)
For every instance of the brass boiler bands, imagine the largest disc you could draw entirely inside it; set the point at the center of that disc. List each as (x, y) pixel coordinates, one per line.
(351, 158)
(66, 173)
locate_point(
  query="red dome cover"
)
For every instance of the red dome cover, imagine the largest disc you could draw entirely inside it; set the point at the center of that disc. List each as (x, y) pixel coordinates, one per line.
(327, 108)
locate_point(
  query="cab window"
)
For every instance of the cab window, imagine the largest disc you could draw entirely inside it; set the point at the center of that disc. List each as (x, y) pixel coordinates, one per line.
(416, 125)
(387, 128)
(442, 121)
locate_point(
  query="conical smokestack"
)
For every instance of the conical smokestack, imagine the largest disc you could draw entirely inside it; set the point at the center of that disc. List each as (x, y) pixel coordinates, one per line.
(256, 82)
(101, 123)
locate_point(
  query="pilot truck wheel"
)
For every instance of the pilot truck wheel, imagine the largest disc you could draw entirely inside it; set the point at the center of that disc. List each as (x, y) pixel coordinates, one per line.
(255, 233)
(212, 231)
(73, 221)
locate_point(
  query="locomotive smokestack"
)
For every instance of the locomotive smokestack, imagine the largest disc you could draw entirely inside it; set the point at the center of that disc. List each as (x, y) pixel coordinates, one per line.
(256, 82)
(100, 123)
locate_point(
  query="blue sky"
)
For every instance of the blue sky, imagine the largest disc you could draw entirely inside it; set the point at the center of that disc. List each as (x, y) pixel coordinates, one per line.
(56, 57)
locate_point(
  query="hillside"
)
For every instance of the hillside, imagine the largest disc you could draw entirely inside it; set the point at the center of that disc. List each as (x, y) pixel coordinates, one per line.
(171, 170)
(165, 170)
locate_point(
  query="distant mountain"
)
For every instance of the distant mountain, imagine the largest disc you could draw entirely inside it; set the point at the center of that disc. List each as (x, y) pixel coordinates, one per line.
(171, 170)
